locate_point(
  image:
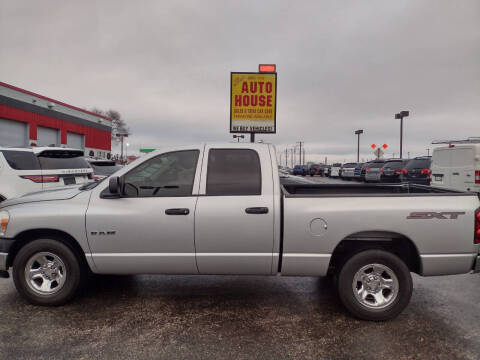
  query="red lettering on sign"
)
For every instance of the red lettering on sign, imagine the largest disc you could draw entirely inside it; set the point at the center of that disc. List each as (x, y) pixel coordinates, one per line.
(238, 100)
(245, 87)
(269, 100)
(246, 100)
(261, 101)
(253, 87)
(260, 84)
(254, 100)
(268, 87)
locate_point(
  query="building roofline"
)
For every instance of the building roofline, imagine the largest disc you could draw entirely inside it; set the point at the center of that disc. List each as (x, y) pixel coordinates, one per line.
(53, 100)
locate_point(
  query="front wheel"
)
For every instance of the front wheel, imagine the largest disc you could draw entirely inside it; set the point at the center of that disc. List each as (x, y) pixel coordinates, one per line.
(375, 285)
(47, 272)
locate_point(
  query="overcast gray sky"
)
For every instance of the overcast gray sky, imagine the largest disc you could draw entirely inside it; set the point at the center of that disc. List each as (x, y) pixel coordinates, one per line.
(342, 65)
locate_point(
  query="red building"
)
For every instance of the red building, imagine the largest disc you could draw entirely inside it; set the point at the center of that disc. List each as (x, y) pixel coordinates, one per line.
(29, 119)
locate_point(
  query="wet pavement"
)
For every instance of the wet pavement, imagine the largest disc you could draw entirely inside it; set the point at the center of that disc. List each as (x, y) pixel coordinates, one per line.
(238, 317)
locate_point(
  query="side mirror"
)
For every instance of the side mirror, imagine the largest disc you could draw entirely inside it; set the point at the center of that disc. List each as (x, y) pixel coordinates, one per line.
(114, 185)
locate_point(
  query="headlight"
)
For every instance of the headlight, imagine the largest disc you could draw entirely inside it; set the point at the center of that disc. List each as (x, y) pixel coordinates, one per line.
(4, 218)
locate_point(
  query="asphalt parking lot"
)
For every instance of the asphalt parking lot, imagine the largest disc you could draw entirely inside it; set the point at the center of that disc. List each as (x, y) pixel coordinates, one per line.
(238, 317)
(235, 317)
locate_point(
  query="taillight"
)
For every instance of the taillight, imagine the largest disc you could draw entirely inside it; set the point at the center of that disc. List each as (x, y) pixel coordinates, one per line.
(426, 172)
(41, 179)
(90, 176)
(398, 171)
(404, 171)
(476, 239)
(50, 178)
(367, 169)
(34, 178)
(477, 176)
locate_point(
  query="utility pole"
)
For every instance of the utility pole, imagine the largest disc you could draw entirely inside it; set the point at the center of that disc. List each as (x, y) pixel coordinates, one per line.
(286, 157)
(292, 158)
(300, 151)
(121, 136)
(358, 133)
(303, 155)
(400, 116)
(428, 152)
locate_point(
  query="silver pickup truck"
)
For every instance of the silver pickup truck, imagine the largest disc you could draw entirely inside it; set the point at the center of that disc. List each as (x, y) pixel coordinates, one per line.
(220, 209)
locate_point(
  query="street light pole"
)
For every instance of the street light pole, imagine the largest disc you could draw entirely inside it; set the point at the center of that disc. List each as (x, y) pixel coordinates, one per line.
(428, 152)
(400, 116)
(358, 132)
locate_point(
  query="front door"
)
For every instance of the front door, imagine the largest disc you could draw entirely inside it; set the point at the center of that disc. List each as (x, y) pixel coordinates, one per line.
(234, 217)
(150, 229)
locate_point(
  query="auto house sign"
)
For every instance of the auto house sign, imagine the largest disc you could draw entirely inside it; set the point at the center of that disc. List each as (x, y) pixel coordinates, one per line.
(253, 102)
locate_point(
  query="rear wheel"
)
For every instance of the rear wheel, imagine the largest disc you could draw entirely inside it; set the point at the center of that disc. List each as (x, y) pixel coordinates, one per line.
(375, 285)
(47, 272)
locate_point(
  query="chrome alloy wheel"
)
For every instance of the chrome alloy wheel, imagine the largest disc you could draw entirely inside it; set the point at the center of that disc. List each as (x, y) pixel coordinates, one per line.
(45, 273)
(375, 286)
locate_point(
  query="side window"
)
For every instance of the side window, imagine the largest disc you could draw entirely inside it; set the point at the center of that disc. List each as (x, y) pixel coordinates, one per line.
(169, 174)
(233, 172)
(21, 160)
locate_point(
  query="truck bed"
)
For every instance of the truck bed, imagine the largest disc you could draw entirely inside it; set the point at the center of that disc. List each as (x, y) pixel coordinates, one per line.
(356, 190)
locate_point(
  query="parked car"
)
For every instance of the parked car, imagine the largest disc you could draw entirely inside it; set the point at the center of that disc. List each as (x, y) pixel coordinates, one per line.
(417, 171)
(314, 169)
(160, 215)
(372, 171)
(300, 170)
(327, 170)
(348, 171)
(357, 172)
(391, 171)
(335, 170)
(457, 167)
(103, 168)
(25, 170)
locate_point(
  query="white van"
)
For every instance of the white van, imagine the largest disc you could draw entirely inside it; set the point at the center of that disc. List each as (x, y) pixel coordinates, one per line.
(457, 166)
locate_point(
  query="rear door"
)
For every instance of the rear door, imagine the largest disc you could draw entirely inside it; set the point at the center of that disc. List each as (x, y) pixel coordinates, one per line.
(234, 217)
(462, 170)
(442, 167)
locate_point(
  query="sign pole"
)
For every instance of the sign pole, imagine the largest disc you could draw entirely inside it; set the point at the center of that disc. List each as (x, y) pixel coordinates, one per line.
(252, 137)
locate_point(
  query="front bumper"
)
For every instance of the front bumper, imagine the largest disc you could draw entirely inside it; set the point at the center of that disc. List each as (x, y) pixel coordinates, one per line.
(5, 245)
(3, 261)
(476, 265)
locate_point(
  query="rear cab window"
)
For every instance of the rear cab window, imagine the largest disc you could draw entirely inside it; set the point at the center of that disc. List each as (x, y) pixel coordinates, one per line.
(418, 164)
(395, 165)
(233, 172)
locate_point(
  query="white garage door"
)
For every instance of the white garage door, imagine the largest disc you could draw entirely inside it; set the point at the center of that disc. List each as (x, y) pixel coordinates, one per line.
(13, 133)
(47, 136)
(74, 141)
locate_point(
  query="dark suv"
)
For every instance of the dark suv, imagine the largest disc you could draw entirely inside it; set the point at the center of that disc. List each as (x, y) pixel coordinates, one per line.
(391, 170)
(417, 171)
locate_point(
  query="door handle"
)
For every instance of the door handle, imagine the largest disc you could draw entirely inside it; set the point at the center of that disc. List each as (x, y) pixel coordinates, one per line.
(180, 211)
(455, 173)
(257, 210)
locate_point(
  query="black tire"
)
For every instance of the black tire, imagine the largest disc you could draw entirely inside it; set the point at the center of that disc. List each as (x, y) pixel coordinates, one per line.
(73, 269)
(354, 264)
